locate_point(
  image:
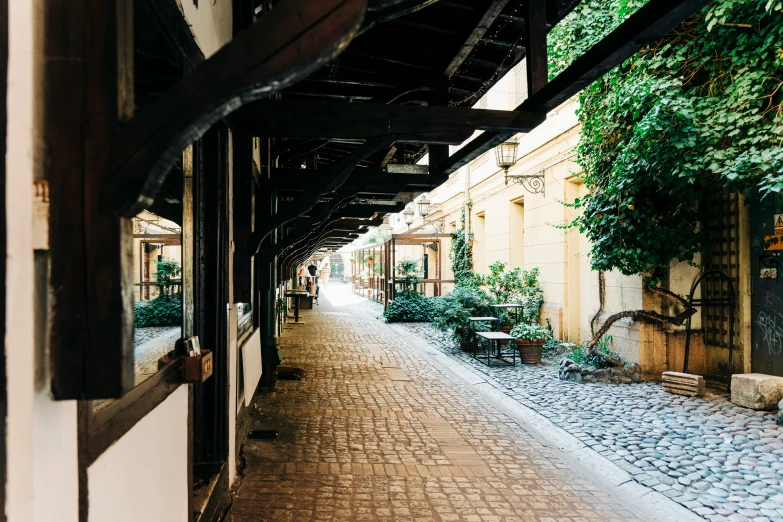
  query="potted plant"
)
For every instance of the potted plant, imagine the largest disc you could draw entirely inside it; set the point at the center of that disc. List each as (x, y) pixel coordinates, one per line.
(504, 286)
(530, 339)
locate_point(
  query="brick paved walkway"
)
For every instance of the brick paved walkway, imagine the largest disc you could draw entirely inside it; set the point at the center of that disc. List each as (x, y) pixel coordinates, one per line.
(375, 431)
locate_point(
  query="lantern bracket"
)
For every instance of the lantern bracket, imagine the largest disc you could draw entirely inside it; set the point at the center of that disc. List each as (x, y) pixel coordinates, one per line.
(533, 183)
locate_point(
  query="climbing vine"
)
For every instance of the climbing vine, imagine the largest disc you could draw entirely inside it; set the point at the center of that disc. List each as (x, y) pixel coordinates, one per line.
(461, 255)
(700, 110)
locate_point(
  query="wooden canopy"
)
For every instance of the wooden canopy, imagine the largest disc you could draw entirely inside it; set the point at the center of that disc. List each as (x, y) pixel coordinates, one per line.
(412, 79)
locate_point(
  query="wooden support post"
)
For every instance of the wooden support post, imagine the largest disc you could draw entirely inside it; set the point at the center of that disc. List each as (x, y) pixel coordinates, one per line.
(243, 196)
(266, 207)
(88, 91)
(188, 245)
(535, 46)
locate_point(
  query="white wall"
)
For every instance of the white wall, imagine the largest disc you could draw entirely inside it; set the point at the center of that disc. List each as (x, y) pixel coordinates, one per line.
(211, 23)
(143, 476)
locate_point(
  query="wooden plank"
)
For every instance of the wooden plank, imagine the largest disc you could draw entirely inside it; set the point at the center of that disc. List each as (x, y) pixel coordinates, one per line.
(289, 43)
(535, 46)
(86, 87)
(649, 23)
(491, 14)
(444, 125)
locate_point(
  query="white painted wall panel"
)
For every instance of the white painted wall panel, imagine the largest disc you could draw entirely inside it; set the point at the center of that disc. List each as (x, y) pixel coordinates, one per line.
(143, 476)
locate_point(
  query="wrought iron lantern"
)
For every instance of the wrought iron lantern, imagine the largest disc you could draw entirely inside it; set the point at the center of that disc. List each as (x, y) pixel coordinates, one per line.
(407, 214)
(506, 156)
(424, 206)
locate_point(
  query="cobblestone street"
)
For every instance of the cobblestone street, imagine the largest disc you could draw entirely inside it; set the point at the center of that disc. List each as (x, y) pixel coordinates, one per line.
(150, 345)
(377, 431)
(719, 460)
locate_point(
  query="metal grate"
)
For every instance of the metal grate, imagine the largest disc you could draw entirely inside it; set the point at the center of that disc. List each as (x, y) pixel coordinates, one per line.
(721, 211)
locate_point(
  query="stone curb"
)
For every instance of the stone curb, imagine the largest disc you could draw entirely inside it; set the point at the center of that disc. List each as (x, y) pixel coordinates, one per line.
(644, 502)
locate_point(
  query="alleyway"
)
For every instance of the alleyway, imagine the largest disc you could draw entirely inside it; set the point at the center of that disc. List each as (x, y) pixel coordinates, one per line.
(377, 431)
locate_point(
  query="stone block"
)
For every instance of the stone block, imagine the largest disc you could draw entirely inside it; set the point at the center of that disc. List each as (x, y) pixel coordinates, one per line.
(756, 390)
(780, 413)
(683, 384)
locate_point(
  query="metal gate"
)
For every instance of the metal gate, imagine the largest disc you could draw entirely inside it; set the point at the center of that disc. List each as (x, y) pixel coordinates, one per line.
(767, 290)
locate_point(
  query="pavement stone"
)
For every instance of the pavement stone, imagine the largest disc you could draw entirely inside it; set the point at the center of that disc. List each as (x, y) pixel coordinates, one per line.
(376, 432)
(722, 453)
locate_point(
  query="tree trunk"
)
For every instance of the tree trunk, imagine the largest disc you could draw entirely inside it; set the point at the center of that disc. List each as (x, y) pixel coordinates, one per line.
(640, 315)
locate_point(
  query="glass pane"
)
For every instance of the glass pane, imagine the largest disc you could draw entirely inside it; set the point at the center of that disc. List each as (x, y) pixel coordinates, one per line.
(157, 276)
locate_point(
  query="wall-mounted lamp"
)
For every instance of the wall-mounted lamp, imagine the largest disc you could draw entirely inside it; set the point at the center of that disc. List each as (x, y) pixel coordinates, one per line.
(407, 214)
(506, 156)
(424, 206)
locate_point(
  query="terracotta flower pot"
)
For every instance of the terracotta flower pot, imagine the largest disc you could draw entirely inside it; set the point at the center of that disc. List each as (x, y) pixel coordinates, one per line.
(530, 352)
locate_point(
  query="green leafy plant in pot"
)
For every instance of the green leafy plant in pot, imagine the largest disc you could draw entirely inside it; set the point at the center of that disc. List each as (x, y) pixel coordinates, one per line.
(530, 339)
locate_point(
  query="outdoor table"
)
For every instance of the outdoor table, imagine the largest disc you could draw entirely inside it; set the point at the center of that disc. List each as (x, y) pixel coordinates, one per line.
(507, 306)
(296, 294)
(495, 351)
(471, 331)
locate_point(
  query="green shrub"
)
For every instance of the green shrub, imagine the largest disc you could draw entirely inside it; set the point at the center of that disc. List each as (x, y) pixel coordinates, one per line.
(409, 307)
(452, 310)
(532, 295)
(582, 356)
(162, 311)
(552, 346)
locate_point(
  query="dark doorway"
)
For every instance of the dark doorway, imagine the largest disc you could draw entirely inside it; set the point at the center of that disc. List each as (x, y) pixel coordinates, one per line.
(767, 289)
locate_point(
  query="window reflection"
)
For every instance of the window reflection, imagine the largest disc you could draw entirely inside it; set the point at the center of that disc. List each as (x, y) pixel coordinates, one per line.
(157, 277)
(157, 290)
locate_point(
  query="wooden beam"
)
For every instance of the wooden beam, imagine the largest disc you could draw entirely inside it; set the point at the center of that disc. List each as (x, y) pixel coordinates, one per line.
(490, 15)
(409, 123)
(88, 79)
(331, 181)
(242, 201)
(649, 23)
(294, 40)
(535, 46)
(388, 157)
(386, 10)
(301, 179)
(331, 211)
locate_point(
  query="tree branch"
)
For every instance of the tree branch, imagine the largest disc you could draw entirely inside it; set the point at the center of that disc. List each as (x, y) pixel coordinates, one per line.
(640, 315)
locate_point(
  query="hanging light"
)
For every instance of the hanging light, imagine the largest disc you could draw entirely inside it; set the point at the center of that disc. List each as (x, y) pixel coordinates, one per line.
(424, 206)
(506, 154)
(408, 215)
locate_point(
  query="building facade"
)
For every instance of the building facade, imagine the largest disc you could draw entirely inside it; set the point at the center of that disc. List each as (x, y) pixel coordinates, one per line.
(523, 226)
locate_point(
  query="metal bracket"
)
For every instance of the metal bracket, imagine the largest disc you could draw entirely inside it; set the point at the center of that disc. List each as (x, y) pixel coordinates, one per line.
(533, 183)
